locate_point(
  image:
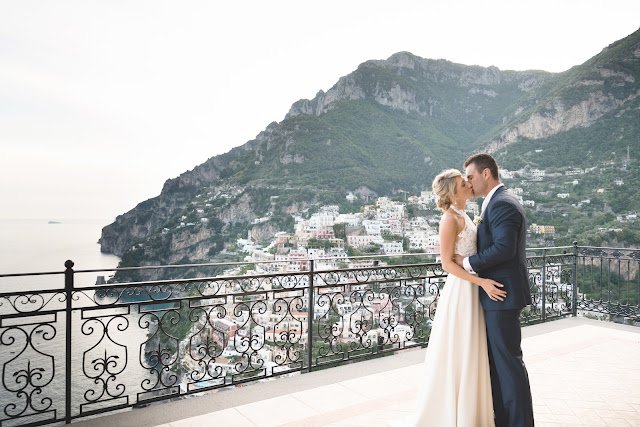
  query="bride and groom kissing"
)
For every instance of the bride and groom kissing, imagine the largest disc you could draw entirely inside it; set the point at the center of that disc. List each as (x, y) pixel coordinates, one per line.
(473, 373)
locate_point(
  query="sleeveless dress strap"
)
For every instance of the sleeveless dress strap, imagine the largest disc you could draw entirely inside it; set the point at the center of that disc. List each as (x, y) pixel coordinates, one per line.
(458, 211)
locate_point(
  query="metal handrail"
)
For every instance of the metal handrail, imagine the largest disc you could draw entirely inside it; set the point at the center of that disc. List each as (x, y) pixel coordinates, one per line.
(334, 310)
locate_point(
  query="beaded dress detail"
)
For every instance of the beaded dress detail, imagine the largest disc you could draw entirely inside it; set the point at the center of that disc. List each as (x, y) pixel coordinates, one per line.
(466, 240)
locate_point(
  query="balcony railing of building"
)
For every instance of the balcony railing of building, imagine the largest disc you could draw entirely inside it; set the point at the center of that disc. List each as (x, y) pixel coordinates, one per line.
(81, 350)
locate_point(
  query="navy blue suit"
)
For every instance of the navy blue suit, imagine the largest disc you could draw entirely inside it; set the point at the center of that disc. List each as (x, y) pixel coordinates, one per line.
(502, 257)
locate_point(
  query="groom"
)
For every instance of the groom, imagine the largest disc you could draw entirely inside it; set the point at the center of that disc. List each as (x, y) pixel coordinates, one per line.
(501, 256)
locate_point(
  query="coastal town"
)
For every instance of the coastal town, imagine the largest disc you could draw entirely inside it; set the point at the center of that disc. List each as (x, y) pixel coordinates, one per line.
(388, 226)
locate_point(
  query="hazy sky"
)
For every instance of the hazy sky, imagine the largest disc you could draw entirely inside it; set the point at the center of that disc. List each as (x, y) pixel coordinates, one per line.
(102, 101)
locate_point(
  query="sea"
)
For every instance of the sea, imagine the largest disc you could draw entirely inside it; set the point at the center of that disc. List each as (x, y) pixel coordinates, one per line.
(44, 245)
(36, 245)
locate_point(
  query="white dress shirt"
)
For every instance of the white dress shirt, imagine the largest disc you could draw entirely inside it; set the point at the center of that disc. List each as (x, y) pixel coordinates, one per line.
(485, 202)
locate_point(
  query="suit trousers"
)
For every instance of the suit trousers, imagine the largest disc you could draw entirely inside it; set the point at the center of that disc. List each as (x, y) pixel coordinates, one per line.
(512, 403)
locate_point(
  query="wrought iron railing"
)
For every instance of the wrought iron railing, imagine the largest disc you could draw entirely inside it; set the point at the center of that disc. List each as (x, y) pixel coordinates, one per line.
(81, 350)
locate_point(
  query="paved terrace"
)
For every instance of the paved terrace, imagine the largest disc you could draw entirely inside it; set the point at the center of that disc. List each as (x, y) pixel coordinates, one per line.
(582, 372)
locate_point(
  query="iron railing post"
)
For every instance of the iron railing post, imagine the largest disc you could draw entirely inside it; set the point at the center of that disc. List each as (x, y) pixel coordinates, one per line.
(68, 290)
(574, 297)
(310, 319)
(543, 307)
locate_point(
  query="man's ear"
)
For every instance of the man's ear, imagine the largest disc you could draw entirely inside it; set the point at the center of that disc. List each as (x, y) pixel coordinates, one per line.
(486, 173)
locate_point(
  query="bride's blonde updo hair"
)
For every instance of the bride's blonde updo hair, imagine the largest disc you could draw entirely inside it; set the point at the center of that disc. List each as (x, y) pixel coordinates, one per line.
(444, 185)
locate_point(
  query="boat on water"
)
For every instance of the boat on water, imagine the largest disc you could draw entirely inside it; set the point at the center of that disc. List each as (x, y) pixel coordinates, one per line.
(54, 222)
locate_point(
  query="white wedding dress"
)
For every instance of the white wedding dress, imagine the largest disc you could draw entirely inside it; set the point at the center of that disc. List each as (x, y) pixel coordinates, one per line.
(455, 389)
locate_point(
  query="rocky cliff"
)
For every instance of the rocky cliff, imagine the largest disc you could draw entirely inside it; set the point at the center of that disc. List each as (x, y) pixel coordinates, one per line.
(579, 97)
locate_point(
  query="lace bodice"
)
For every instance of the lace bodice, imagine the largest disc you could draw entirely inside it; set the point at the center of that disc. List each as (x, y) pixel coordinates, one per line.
(466, 239)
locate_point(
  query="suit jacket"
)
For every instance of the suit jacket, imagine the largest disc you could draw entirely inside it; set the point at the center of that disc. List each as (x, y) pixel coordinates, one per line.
(502, 251)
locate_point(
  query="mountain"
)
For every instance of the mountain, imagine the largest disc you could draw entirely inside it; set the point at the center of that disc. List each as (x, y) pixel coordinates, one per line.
(390, 125)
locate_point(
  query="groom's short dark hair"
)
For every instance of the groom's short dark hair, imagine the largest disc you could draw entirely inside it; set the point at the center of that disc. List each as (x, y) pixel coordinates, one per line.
(483, 161)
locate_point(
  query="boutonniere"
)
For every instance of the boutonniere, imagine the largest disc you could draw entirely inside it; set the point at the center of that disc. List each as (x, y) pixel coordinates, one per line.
(477, 220)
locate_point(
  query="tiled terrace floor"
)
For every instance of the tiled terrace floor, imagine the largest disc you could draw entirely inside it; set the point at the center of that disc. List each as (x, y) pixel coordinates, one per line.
(582, 372)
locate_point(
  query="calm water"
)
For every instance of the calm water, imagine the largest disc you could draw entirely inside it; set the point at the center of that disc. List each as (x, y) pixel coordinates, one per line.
(34, 245)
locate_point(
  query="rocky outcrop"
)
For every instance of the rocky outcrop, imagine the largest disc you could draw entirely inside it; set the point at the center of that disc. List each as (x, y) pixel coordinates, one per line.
(141, 222)
(295, 158)
(399, 96)
(583, 114)
(263, 233)
(606, 83)
(191, 244)
(238, 212)
(346, 88)
(150, 216)
(399, 99)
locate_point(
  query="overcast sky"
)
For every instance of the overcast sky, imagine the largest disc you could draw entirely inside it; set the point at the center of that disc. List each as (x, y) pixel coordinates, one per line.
(101, 102)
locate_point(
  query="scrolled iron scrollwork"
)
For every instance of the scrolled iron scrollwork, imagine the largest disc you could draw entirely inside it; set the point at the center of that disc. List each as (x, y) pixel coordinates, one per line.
(27, 375)
(161, 351)
(31, 303)
(207, 342)
(330, 325)
(289, 329)
(106, 360)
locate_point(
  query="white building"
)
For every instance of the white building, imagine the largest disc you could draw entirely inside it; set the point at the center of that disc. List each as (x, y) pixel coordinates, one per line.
(372, 227)
(391, 248)
(395, 226)
(428, 197)
(352, 220)
(385, 227)
(537, 173)
(320, 220)
(418, 239)
(506, 174)
(421, 223)
(359, 241)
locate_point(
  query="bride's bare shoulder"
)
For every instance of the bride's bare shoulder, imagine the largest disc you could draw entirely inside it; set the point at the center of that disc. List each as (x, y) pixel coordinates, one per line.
(451, 221)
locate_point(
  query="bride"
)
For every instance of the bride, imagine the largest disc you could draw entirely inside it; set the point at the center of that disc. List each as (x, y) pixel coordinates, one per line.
(456, 388)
